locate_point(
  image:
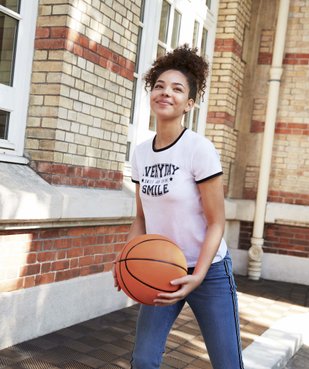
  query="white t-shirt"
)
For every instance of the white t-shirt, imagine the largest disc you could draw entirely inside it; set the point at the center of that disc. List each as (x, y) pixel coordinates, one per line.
(170, 197)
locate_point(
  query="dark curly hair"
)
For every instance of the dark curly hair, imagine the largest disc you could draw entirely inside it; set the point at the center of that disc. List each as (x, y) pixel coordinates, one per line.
(185, 60)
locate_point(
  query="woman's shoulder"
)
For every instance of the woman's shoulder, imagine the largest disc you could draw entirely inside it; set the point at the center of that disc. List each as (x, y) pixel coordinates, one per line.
(144, 145)
(197, 140)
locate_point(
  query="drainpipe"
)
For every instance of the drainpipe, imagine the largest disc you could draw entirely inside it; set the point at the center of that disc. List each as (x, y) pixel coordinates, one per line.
(256, 252)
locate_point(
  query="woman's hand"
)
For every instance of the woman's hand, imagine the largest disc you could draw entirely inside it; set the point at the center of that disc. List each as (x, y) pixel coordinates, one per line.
(187, 284)
(116, 284)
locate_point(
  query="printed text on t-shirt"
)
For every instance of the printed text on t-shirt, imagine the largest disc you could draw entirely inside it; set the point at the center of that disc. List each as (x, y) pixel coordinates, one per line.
(156, 178)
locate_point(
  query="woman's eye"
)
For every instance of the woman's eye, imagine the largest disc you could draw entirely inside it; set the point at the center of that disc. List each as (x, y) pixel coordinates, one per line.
(158, 86)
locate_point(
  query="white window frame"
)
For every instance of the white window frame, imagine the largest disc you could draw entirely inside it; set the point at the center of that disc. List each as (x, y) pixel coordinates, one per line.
(138, 130)
(15, 98)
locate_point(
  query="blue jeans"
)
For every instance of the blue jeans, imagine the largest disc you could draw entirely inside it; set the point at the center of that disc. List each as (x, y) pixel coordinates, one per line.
(214, 304)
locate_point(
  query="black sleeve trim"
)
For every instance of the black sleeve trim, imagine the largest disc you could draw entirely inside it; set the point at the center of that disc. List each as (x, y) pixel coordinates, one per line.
(210, 177)
(134, 181)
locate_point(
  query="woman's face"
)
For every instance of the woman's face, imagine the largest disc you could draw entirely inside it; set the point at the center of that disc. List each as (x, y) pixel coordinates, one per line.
(169, 97)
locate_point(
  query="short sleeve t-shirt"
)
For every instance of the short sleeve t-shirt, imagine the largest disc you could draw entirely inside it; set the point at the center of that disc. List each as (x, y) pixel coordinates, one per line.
(169, 194)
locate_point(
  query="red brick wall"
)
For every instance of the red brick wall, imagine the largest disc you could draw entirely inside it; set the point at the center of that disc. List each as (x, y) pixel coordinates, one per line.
(35, 257)
(73, 175)
(282, 197)
(278, 239)
(245, 235)
(64, 38)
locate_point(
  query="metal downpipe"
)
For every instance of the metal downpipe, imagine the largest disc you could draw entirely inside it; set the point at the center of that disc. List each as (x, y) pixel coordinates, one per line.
(255, 253)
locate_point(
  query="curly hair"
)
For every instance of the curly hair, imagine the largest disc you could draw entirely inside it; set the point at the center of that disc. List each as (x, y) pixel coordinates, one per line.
(185, 60)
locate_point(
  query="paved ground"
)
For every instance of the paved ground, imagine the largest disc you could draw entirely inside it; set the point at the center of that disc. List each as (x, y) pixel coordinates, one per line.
(300, 360)
(106, 342)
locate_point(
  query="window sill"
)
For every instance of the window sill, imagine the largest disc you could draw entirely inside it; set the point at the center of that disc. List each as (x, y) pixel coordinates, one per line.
(8, 158)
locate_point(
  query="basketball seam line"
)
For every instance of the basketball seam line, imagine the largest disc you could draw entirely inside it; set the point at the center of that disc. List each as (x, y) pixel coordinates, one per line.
(154, 260)
(146, 284)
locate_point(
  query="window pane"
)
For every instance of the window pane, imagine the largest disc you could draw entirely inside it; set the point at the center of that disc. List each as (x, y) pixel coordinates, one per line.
(198, 100)
(208, 3)
(165, 14)
(195, 33)
(176, 29)
(4, 124)
(187, 119)
(8, 36)
(195, 118)
(152, 122)
(11, 4)
(161, 51)
(204, 41)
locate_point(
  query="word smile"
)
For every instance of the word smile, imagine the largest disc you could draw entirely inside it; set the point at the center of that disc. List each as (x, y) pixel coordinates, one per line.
(155, 190)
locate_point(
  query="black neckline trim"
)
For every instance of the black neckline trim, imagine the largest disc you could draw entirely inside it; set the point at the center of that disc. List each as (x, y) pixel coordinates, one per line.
(170, 145)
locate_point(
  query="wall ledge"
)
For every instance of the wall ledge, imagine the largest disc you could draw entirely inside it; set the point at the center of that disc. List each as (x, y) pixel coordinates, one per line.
(26, 197)
(285, 214)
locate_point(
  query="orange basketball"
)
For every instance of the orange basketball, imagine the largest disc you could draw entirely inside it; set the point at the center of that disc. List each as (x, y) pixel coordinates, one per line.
(146, 266)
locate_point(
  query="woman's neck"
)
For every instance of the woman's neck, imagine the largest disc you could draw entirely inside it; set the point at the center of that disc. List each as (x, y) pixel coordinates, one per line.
(167, 134)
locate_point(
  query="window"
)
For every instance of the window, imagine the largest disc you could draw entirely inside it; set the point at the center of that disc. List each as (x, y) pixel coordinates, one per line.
(170, 23)
(17, 29)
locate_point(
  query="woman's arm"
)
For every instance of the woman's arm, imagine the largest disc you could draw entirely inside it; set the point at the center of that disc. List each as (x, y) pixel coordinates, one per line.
(137, 227)
(212, 197)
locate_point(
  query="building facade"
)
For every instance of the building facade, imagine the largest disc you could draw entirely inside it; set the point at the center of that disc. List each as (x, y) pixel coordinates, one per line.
(72, 109)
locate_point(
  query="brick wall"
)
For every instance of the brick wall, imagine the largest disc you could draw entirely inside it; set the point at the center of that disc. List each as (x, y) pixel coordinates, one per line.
(227, 79)
(278, 239)
(34, 257)
(81, 91)
(289, 175)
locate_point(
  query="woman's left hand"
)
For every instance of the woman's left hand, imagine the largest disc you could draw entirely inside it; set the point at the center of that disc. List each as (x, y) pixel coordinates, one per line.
(187, 284)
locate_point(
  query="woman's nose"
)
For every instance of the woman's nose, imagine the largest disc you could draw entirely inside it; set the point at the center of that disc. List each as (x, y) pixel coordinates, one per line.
(166, 91)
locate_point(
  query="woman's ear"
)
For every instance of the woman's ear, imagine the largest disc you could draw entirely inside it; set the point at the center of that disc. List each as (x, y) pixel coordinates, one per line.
(190, 105)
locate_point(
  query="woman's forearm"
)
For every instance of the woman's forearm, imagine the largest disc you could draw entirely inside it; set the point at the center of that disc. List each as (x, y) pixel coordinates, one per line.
(137, 228)
(208, 250)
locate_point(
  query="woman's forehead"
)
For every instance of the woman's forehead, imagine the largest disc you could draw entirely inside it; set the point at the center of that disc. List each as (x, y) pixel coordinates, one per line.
(173, 76)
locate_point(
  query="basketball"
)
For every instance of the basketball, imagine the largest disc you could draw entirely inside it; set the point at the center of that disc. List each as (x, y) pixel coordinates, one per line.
(147, 264)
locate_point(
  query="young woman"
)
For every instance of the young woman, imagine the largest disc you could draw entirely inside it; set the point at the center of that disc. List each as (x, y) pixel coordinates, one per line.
(179, 194)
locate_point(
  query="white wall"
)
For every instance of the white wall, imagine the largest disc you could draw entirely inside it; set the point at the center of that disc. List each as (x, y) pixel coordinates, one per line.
(33, 312)
(274, 266)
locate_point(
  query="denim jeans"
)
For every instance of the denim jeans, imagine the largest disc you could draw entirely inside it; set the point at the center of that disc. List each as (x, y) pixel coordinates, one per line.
(214, 304)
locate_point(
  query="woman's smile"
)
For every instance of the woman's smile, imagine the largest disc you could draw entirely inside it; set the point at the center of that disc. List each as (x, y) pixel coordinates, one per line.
(171, 90)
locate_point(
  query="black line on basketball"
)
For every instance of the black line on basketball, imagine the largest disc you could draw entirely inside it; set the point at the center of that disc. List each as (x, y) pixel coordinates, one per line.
(151, 239)
(156, 261)
(128, 290)
(144, 283)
